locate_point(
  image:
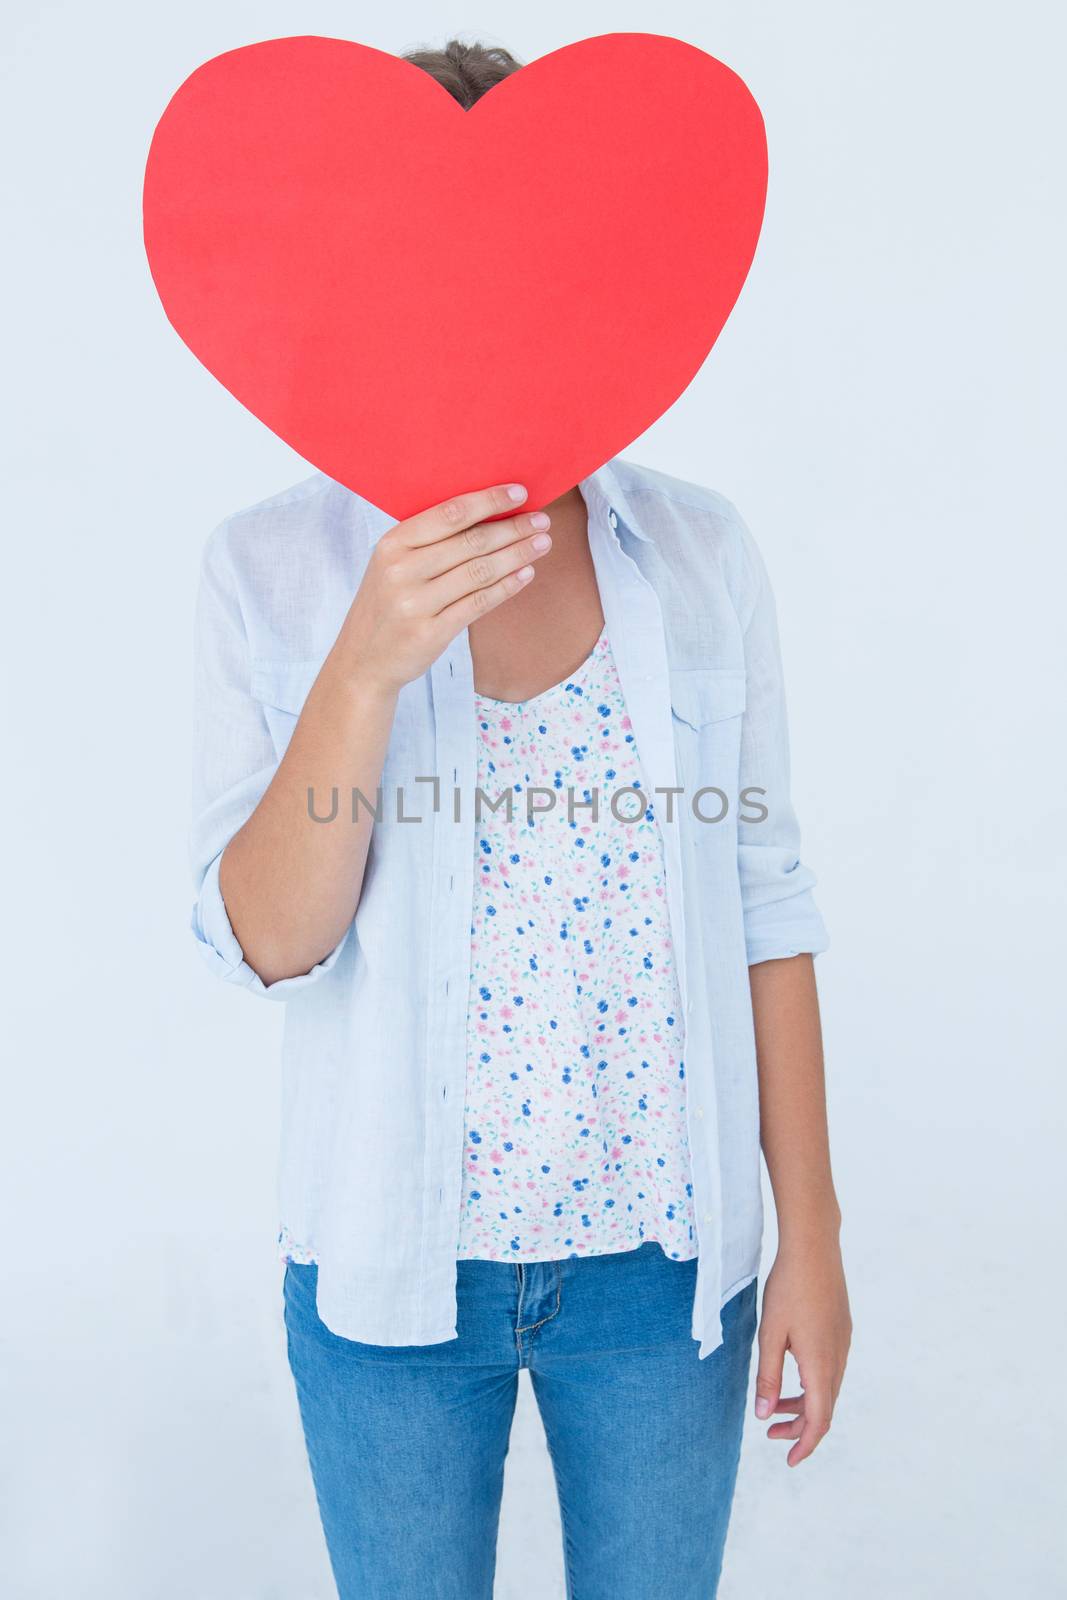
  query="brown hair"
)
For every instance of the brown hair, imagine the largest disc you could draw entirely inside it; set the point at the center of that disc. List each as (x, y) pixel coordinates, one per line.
(465, 70)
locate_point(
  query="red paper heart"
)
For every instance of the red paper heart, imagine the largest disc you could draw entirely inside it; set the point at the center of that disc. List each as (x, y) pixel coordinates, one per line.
(423, 300)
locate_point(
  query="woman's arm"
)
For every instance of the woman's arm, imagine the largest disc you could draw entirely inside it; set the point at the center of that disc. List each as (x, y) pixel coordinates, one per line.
(805, 1302)
(291, 885)
(805, 1305)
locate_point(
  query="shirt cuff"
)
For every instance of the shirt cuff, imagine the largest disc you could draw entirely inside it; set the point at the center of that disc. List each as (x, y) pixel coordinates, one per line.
(793, 927)
(218, 945)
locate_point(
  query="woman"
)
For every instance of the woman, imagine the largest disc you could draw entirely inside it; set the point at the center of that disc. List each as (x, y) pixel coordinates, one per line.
(497, 799)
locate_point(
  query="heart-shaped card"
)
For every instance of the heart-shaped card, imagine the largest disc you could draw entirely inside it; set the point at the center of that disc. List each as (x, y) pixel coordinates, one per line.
(423, 300)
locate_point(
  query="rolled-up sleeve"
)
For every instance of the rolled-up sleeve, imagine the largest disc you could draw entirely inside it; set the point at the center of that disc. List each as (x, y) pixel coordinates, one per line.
(780, 914)
(234, 761)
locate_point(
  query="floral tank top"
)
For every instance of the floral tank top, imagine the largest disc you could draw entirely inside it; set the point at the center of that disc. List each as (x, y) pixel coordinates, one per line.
(574, 1119)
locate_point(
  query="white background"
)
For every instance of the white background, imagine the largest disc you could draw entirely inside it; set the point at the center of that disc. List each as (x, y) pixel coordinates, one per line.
(882, 407)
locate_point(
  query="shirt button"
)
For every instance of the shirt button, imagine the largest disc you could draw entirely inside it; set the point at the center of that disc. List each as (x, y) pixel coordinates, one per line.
(707, 1216)
(699, 1111)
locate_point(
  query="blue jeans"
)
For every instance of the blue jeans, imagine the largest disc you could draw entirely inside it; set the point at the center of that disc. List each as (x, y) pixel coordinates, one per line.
(407, 1443)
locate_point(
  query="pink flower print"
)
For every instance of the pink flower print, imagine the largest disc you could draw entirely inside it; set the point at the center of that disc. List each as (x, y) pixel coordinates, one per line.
(585, 1040)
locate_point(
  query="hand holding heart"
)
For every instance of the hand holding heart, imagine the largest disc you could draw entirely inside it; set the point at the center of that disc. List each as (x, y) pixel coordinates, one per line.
(433, 575)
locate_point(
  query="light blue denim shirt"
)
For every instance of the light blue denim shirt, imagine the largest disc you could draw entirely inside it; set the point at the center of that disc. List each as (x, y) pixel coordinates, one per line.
(374, 1051)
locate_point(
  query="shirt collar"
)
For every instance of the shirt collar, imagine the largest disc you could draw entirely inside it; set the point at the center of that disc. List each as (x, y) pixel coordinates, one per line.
(605, 497)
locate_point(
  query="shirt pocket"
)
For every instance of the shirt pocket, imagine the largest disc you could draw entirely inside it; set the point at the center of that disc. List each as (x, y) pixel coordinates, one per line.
(707, 704)
(700, 695)
(281, 687)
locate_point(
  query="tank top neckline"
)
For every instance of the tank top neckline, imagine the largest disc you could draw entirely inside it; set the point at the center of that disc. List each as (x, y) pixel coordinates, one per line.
(575, 678)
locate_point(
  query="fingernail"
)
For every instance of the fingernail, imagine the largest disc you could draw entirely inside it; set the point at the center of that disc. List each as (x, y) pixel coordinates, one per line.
(541, 541)
(540, 519)
(763, 1407)
(524, 574)
(516, 492)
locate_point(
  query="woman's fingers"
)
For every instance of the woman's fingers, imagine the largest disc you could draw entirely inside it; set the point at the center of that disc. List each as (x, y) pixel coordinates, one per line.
(769, 1377)
(476, 544)
(448, 553)
(811, 1413)
(814, 1420)
(461, 613)
(483, 571)
(462, 511)
(792, 1429)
